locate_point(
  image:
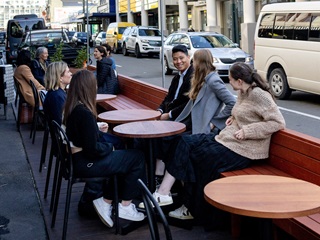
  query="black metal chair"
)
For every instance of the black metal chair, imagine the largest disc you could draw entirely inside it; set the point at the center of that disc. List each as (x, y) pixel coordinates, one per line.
(65, 161)
(153, 210)
(20, 100)
(37, 112)
(45, 138)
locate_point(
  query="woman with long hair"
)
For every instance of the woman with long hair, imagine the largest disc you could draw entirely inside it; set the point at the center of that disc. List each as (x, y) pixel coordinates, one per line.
(210, 101)
(93, 158)
(57, 78)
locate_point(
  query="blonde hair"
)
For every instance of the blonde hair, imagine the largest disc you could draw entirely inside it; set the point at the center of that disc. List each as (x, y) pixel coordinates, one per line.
(203, 65)
(52, 76)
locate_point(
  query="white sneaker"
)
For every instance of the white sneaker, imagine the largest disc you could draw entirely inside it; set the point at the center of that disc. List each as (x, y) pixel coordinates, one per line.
(104, 211)
(162, 200)
(130, 213)
(181, 213)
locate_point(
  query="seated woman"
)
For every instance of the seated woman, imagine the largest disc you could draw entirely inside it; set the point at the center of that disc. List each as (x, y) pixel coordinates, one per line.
(200, 158)
(24, 75)
(94, 158)
(39, 64)
(57, 78)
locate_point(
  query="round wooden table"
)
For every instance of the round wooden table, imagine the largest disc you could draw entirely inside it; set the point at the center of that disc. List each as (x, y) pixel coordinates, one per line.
(149, 130)
(104, 97)
(128, 115)
(263, 196)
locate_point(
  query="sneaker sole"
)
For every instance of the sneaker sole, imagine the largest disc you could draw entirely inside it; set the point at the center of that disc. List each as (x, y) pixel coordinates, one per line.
(181, 217)
(102, 219)
(141, 205)
(132, 219)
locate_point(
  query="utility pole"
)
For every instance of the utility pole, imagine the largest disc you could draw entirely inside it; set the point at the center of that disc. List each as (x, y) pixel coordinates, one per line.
(235, 27)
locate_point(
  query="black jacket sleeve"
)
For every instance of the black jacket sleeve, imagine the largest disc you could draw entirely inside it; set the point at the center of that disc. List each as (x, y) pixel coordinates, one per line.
(177, 105)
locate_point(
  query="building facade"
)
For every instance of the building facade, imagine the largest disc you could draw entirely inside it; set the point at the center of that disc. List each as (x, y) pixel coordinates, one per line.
(10, 8)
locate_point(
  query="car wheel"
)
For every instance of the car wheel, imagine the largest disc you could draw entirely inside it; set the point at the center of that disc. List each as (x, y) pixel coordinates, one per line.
(278, 84)
(115, 51)
(137, 52)
(167, 70)
(124, 50)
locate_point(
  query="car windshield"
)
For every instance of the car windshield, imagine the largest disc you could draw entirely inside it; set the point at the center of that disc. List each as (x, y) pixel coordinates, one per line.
(149, 32)
(43, 38)
(211, 41)
(82, 34)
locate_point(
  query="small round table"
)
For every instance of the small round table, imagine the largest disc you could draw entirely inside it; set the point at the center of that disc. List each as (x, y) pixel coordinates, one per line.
(105, 97)
(149, 130)
(128, 115)
(264, 196)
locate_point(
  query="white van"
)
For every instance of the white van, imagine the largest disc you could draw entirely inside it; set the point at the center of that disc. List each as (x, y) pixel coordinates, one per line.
(287, 47)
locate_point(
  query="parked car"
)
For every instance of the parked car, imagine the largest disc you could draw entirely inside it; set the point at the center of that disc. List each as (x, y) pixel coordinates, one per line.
(141, 40)
(223, 50)
(70, 34)
(100, 39)
(80, 38)
(114, 34)
(50, 38)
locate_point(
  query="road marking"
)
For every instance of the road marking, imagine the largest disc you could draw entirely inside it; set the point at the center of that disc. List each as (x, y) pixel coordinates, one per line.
(296, 112)
(300, 113)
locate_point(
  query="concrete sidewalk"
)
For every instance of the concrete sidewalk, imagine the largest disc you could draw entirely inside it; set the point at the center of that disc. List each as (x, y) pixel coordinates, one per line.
(20, 213)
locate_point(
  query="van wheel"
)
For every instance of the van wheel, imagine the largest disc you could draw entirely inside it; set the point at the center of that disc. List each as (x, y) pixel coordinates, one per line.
(137, 51)
(124, 50)
(167, 70)
(279, 85)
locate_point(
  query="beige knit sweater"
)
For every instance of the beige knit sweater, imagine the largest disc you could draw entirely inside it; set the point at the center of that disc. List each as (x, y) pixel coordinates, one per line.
(258, 115)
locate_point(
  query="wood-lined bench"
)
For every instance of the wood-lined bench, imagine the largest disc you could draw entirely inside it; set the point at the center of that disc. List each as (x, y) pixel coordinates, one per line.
(292, 154)
(297, 155)
(135, 94)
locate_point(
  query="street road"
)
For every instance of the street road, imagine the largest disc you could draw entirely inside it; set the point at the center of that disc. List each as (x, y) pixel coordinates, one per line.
(301, 111)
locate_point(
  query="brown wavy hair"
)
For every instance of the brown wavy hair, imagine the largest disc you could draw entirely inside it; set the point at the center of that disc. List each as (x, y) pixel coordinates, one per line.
(82, 90)
(203, 65)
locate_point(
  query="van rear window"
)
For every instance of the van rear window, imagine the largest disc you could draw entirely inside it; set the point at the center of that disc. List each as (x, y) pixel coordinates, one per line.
(18, 28)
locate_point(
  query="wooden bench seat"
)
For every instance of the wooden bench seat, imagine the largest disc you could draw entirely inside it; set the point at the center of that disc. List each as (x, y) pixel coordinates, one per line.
(297, 155)
(135, 94)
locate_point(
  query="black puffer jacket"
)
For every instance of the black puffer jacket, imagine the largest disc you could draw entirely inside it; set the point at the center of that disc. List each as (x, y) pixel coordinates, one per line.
(106, 79)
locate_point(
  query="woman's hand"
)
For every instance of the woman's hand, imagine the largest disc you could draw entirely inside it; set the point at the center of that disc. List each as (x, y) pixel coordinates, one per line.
(103, 127)
(229, 121)
(239, 134)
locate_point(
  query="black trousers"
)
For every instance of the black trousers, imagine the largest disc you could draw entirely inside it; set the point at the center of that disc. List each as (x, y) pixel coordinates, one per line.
(128, 164)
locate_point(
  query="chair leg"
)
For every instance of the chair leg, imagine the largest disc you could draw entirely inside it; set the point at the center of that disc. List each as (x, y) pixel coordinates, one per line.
(57, 171)
(66, 210)
(35, 126)
(48, 173)
(44, 147)
(33, 123)
(116, 202)
(19, 115)
(56, 196)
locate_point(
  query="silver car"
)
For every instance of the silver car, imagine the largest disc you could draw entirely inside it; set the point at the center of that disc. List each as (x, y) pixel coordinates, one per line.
(100, 39)
(223, 50)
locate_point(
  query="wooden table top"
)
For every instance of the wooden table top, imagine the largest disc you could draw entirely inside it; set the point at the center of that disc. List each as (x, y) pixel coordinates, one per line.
(128, 115)
(264, 196)
(149, 129)
(104, 97)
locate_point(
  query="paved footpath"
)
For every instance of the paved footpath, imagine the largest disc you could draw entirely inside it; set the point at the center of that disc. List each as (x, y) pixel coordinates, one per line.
(20, 214)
